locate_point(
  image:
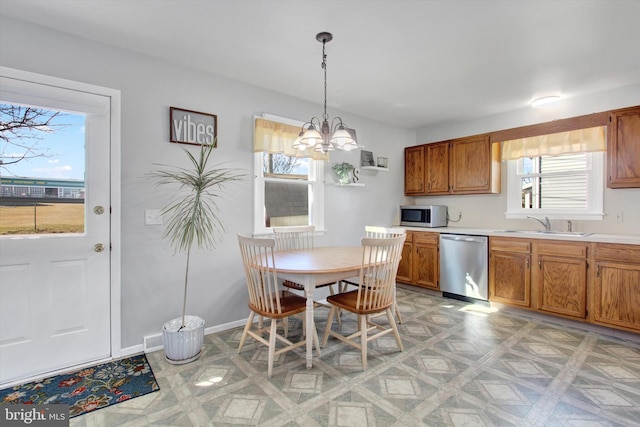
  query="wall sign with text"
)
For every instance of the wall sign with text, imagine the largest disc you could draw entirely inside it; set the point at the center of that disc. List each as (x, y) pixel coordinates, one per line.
(192, 127)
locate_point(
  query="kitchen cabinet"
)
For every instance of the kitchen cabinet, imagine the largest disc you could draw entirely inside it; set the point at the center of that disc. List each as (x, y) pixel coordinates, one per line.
(561, 278)
(474, 165)
(419, 263)
(414, 171)
(623, 149)
(468, 165)
(510, 271)
(544, 275)
(616, 290)
(437, 169)
(405, 270)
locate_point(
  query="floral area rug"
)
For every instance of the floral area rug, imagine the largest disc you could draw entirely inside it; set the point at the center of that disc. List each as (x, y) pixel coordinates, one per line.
(88, 389)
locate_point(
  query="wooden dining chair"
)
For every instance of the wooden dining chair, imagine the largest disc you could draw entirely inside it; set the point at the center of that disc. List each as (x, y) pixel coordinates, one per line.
(376, 286)
(297, 237)
(267, 299)
(375, 232)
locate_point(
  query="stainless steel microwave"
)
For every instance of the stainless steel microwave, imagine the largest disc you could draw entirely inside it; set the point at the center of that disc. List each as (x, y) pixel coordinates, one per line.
(423, 216)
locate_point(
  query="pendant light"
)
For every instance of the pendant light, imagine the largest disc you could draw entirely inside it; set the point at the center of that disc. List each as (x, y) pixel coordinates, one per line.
(321, 136)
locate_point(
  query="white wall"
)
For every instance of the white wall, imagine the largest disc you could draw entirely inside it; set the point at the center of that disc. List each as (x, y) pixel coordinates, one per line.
(487, 211)
(151, 275)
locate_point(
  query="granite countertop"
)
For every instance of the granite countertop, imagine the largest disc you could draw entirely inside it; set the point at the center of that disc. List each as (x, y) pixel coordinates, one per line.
(633, 239)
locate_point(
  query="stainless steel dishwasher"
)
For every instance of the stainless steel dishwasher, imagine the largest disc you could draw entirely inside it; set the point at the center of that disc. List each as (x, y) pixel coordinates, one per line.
(464, 266)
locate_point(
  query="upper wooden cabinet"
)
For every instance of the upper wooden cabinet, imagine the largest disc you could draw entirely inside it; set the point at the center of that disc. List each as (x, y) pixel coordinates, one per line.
(414, 170)
(461, 166)
(437, 170)
(623, 150)
(474, 165)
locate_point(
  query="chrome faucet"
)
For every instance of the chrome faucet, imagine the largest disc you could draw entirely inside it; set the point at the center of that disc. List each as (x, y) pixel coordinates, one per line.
(545, 223)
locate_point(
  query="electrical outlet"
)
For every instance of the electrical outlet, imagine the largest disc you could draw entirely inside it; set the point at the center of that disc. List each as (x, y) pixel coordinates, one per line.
(618, 217)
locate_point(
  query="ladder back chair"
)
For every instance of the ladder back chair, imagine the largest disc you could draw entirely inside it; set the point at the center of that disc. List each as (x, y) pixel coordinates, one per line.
(375, 294)
(375, 232)
(297, 237)
(267, 299)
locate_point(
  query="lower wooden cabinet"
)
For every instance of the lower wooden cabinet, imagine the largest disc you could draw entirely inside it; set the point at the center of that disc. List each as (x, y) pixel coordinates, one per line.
(543, 275)
(593, 282)
(510, 271)
(561, 279)
(419, 263)
(616, 290)
(405, 270)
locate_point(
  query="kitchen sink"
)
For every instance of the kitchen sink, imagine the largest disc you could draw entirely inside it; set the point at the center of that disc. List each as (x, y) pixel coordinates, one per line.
(550, 233)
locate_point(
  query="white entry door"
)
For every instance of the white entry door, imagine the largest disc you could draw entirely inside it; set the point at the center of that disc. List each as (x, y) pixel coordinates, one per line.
(55, 286)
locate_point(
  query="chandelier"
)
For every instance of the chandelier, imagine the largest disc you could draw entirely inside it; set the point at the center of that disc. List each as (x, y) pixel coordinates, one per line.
(322, 136)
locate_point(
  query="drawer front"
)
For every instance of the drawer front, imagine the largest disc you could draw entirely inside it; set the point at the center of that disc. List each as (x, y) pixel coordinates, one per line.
(618, 252)
(426, 238)
(573, 250)
(409, 238)
(509, 245)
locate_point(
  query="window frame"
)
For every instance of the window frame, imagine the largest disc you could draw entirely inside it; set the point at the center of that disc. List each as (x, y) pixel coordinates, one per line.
(595, 194)
(315, 181)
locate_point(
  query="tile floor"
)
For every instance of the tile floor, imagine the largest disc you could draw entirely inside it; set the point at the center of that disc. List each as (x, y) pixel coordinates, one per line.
(461, 366)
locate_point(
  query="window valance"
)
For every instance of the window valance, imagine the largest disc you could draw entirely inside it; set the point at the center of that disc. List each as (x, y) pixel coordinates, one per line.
(574, 141)
(273, 137)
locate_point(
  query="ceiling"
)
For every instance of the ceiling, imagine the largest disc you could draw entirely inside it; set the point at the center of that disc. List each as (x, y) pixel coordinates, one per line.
(409, 63)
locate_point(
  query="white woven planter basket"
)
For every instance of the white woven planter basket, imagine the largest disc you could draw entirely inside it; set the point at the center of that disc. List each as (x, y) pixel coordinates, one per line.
(183, 346)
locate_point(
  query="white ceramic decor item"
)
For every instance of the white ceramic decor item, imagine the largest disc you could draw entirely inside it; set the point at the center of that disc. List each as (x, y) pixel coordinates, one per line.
(183, 345)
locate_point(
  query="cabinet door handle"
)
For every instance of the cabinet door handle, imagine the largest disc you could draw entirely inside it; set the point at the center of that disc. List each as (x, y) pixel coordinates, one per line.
(597, 270)
(540, 263)
(526, 263)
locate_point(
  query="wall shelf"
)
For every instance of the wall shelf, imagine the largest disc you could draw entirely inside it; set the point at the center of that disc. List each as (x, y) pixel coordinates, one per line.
(349, 185)
(374, 168)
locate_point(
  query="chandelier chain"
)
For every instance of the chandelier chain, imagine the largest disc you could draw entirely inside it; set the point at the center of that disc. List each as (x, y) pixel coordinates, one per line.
(326, 137)
(324, 67)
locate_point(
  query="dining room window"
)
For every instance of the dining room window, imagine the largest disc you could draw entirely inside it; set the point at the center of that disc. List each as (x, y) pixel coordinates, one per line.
(288, 185)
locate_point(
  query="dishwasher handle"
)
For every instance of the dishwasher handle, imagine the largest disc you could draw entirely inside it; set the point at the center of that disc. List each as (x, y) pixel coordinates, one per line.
(458, 237)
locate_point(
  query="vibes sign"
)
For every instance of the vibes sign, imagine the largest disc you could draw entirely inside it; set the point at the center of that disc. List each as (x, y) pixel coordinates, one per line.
(192, 127)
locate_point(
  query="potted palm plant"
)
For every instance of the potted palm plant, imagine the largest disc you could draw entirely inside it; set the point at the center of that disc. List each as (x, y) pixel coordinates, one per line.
(194, 219)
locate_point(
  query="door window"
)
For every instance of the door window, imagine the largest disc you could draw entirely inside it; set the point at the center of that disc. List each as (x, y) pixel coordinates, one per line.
(42, 165)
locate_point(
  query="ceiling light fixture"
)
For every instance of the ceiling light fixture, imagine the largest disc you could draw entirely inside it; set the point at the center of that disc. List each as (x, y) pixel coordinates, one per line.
(540, 102)
(320, 136)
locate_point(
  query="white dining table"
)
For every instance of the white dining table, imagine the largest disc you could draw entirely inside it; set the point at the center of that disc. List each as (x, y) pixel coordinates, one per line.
(311, 267)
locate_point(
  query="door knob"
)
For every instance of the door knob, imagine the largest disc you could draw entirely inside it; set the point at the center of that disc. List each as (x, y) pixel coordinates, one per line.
(98, 210)
(98, 247)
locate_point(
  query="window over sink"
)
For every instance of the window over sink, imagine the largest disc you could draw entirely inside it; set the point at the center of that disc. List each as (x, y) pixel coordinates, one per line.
(558, 181)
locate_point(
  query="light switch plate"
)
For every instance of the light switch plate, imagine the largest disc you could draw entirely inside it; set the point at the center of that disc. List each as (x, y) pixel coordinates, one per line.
(152, 217)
